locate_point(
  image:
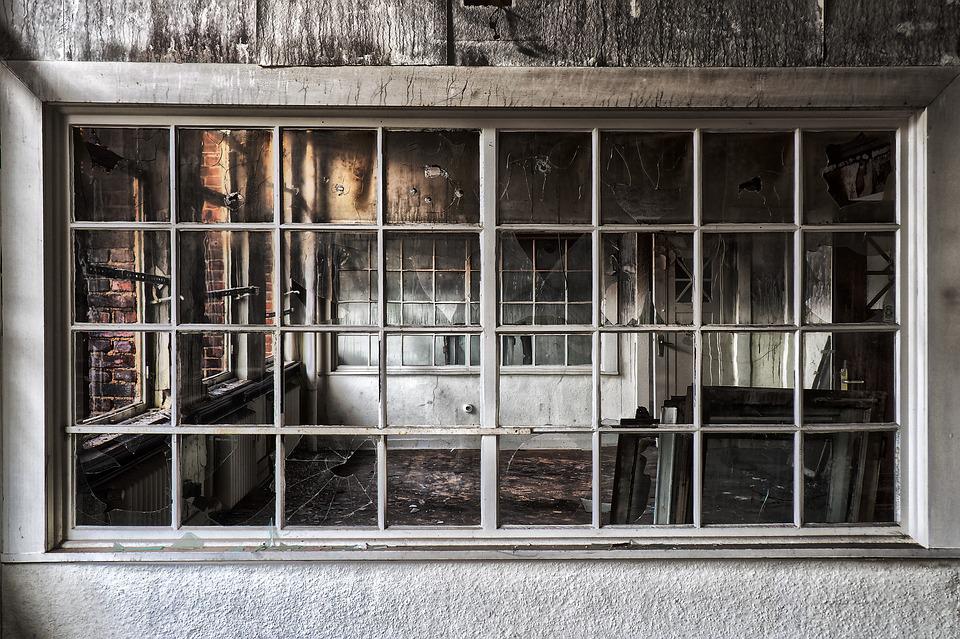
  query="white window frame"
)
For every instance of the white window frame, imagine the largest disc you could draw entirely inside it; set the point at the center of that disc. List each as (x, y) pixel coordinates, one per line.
(46, 164)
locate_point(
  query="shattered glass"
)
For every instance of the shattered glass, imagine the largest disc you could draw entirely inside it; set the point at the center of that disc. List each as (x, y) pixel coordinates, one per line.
(329, 175)
(225, 175)
(850, 278)
(545, 479)
(121, 175)
(123, 480)
(646, 178)
(432, 176)
(433, 480)
(544, 177)
(331, 481)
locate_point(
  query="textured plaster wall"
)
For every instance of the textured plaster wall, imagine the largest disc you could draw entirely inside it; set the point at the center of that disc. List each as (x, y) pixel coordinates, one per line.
(493, 599)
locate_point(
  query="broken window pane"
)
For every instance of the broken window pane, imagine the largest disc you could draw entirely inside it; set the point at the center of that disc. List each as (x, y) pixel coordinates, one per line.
(646, 378)
(751, 278)
(747, 479)
(331, 379)
(121, 175)
(121, 276)
(545, 279)
(748, 177)
(225, 378)
(329, 176)
(849, 177)
(227, 480)
(747, 378)
(433, 280)
(646, 478)
(433, 481)
(850, 278)
(545, 480)
(225, 175)
(849, 477)
(849, 377)
(432, 176)
(226, 277)
(330, 278)
(646, 178)
(330, 481)
(544, 177)
(122, 378)
(560, 394)
(647, 278)
(420, 395)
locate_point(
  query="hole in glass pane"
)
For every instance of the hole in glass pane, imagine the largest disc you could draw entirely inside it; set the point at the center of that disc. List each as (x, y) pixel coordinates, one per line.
(748, 177)
(747, 479)
(433, 481)
(849, 278)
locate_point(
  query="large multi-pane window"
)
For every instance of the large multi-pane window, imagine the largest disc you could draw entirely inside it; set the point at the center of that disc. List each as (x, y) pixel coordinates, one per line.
(373, 328)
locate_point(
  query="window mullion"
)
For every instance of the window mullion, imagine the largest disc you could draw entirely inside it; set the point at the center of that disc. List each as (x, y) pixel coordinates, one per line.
(595, 512)
(174, 321)
(489, 449)
(798, 261)
(280, 455)
(697, 293)
(382, 342)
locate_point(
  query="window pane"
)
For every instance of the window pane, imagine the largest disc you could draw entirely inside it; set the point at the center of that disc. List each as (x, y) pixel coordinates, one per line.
(331, 278)
(432, 176)
(849, 278)
(545, 479)
(544, 177)
(751, 278)
(747, 479)
(226, 277)
(225, 175)
(747, 378)
(121, 175)
(433, 481)
(646, 178)
(647, 278)
(225, 378)
(849, 177)
(330, 481)
(329, 176)
(849, 477)
(420, 392)
(227, 480)
(748, 177)
(646, 376)
(123, 480)
(849, 377)
(331, 379)
(646, 479)
(450, 287)
(122, 378)
(531, 396)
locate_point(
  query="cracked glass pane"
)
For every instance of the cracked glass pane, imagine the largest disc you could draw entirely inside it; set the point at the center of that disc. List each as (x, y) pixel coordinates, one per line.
(748, 177)
(849, 377)
(747, 378)
(646, 378)
(544, 177)
(121, 276)
(747, 479)
(545, 480)
(121, 175)
(647, 278)
(330, 379)
(225, 378)
(432, 176)
(330, 278)
(646, 178)
(226, 277)
(329, 176)
(849, 477)
(331, 481)
(123, 480)
(433, 481)
(849, 177)
(225, 175)
(646, 479)
(751, 278)
(227, 480)
(122, 377)
(850, 278)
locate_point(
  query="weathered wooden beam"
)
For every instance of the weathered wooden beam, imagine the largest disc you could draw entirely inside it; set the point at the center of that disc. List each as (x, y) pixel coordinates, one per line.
(481, 87)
